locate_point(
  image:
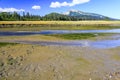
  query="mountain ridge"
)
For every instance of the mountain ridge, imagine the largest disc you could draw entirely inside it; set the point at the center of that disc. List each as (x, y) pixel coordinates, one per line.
(79, 15)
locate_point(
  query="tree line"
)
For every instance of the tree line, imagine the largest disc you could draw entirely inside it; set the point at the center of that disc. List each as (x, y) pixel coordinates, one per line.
(8, 16)
(14, 16)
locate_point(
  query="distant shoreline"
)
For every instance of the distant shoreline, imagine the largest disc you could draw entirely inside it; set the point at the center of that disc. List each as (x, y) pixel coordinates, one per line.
(57, 25)
(60, 22)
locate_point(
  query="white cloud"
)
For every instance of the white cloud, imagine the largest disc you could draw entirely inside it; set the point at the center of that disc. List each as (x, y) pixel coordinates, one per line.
(73, 3)
(11, 10)
(36, 7)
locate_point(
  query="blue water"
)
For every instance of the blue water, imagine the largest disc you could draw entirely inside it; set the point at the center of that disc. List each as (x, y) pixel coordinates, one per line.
(79, 31)
(17, 33)
(103, 44)
(23, 33)
(106, 43)
(114, 42)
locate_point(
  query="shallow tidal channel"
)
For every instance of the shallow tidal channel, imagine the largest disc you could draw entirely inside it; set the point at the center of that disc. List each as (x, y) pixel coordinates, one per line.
(109, 43)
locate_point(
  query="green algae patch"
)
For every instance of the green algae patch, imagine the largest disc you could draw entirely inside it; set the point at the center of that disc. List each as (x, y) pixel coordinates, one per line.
(76, 36)
(6, 43)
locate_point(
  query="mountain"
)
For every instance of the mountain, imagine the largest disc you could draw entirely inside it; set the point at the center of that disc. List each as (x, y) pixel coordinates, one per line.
(86, 16)
(74, 15)
(59, 17)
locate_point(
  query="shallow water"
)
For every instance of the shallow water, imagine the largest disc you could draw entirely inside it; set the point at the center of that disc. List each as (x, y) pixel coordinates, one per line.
(103, 44)
(22, 33)
(106, 44)
(112, 43)
(79, 31)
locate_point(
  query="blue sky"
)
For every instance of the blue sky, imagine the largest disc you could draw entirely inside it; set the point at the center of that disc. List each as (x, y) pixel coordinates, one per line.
(41, 7)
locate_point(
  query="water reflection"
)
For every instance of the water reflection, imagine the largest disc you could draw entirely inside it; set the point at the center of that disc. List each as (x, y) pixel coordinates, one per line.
(22, 33)
(114, 42)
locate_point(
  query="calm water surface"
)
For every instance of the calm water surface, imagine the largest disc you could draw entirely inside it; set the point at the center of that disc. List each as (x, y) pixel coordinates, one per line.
(115, 42)
(22, 33)
(82, 43)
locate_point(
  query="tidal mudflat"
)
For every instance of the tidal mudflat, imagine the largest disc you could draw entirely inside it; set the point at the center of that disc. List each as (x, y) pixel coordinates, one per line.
(35, 62)
(60, 53)
(51, 57)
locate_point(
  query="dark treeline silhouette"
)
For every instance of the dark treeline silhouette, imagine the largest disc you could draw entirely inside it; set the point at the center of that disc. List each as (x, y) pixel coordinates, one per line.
(7, 16)
(14, 16)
